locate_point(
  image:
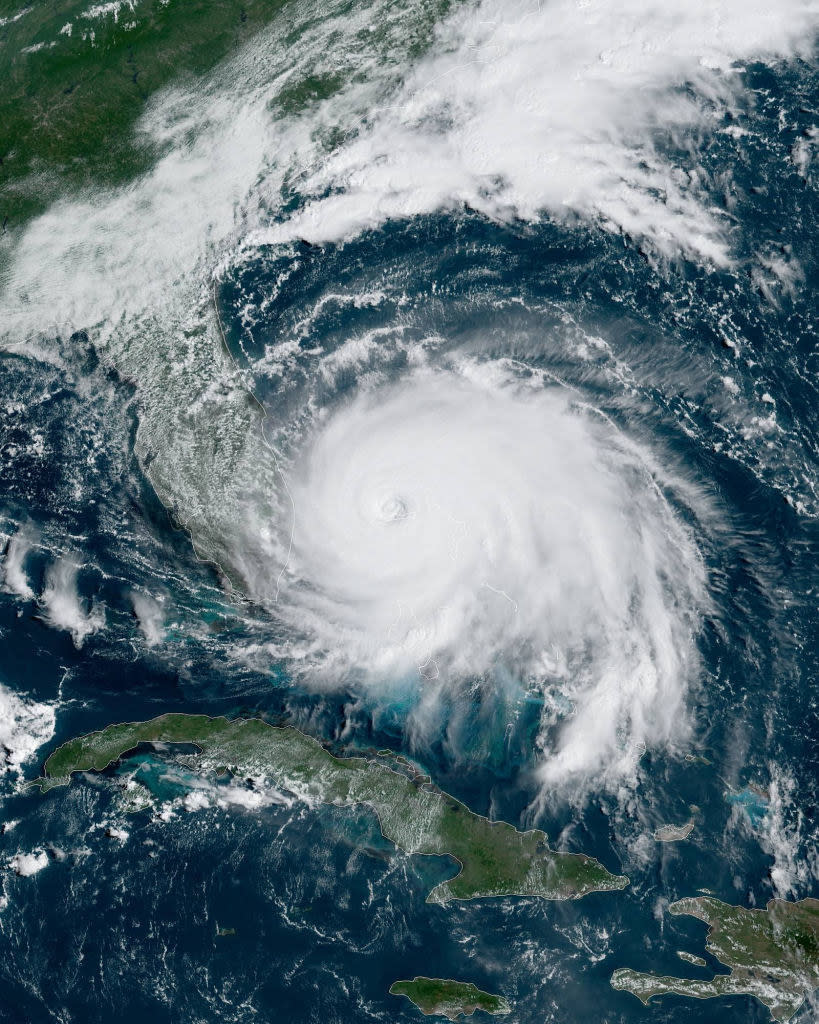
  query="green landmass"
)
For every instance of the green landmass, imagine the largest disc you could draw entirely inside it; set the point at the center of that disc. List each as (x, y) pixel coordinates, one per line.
(773, 955)
(78, 74)
(71, 97)
(447, 998)
(496, 859)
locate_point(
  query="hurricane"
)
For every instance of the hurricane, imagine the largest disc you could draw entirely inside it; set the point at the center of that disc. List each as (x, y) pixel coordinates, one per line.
(408, 500)
(463, 525)
(432, 384)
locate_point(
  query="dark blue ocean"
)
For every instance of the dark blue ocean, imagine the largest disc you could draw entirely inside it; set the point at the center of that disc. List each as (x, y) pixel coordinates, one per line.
(148, 905)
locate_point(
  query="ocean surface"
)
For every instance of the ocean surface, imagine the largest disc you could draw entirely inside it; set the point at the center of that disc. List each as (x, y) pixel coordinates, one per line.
(469, 408)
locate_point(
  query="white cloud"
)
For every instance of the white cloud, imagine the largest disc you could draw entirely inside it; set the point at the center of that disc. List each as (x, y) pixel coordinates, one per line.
(15, 578)
(28, 864)
(463, 526)
(62, 605)
(520, 110)
(25, 725)
(782, 834)
(150, 616)
(120, 834)
(555, 108)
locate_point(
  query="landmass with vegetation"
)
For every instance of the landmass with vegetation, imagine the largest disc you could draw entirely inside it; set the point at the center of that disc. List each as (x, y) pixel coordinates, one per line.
(446, 998)
(773, 955)
(79, 75)
(496, 858)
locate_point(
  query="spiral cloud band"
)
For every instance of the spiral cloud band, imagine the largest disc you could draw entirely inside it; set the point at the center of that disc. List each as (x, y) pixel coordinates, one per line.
(451, 528)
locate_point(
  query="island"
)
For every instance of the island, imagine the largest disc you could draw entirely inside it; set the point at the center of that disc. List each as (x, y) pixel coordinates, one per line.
(447, 998)
(495, 858)
(691, 959)
(773, 955)
(673, 833)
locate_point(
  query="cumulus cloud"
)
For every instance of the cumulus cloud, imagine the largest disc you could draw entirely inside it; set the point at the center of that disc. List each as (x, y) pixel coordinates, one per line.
(788, 838)
(63, 606)
(204, 794)
(25, 725)
(15, 578)
(150, 616)
(28, 864)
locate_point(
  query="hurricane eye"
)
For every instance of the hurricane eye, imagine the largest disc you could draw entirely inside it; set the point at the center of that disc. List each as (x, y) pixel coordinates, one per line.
(393, 509)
